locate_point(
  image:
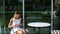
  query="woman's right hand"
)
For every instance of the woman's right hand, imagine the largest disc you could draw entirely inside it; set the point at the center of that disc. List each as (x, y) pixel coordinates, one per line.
(14, 25)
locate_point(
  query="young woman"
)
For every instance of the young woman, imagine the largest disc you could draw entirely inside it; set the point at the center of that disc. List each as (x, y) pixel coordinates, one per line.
(15, 24)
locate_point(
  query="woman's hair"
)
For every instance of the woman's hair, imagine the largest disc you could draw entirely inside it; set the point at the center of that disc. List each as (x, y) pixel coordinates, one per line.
(17, 12)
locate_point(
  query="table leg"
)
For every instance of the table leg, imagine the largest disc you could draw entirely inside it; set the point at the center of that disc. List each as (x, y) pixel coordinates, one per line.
(39, 31)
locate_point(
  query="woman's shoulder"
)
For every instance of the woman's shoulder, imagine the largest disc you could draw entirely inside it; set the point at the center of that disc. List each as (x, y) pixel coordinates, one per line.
(11, 18)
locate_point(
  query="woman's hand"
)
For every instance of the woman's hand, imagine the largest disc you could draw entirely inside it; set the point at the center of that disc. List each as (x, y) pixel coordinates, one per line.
(14, 25)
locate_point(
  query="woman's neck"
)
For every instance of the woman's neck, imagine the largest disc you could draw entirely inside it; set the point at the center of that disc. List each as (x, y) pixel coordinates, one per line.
(15, 18)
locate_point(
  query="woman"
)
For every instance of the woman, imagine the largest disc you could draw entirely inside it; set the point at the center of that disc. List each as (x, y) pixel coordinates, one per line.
(15, 24)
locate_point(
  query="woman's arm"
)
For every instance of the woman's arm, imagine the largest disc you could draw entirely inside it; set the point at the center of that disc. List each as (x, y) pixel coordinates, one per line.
(10, 24)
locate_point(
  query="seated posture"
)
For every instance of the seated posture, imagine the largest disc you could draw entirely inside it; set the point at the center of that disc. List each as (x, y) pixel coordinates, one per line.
(15, 24)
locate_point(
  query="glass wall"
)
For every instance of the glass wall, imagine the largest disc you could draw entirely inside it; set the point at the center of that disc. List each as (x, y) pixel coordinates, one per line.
(56, 15)
(7, 8)
(37, 11)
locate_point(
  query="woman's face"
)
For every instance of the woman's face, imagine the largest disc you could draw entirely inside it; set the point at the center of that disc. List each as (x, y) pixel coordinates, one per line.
(17, 16)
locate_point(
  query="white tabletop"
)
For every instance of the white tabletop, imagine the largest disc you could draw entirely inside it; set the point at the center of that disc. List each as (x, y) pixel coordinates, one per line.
(38, 24)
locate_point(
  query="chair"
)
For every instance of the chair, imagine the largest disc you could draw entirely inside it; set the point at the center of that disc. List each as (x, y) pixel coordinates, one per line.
(56, 32)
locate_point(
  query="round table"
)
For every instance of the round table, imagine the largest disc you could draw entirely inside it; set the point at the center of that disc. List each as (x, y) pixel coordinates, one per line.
(38, 24)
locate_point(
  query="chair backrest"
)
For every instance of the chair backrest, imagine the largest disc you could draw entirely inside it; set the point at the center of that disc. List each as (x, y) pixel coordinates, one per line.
(56, 32)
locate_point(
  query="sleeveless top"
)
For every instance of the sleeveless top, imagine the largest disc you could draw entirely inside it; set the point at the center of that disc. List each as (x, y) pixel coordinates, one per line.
(16, 21)
(17, 27)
